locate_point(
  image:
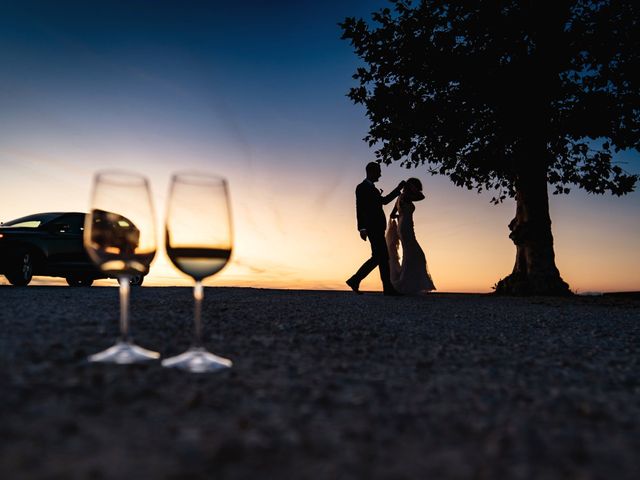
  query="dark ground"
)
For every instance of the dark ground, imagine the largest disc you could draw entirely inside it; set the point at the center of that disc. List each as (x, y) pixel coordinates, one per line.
(326, 385)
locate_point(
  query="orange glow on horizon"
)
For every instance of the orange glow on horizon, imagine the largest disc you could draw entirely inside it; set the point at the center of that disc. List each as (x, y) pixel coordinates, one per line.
(295, 229)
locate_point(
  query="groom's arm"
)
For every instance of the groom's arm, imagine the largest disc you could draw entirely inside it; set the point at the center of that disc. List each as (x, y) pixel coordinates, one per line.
(396, 191)
(361, 205)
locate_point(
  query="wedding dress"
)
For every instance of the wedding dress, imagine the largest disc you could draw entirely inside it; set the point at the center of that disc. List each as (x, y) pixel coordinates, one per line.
(410, 277)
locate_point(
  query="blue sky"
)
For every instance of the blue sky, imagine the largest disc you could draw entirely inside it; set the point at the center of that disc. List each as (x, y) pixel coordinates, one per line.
(273, 71)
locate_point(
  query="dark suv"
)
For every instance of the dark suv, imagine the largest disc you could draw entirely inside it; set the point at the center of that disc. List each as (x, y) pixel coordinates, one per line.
(49, 244)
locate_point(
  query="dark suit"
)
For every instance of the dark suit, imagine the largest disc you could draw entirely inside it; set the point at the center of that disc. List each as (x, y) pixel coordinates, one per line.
(369, 202)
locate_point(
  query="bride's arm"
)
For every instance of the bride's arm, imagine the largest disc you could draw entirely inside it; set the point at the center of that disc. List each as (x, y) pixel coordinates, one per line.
(394, 212)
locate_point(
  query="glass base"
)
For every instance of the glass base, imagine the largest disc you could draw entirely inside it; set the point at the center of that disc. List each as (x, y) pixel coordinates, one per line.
(124, 353)
(197, 360)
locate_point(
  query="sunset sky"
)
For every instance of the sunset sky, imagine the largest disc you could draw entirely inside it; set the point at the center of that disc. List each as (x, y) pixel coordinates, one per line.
(253, 91)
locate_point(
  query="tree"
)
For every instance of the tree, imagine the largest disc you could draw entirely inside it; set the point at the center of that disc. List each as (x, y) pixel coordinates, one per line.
(509, 96)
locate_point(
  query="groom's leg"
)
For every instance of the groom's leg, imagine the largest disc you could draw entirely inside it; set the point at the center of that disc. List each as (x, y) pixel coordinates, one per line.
(381, 256)
(366, 268)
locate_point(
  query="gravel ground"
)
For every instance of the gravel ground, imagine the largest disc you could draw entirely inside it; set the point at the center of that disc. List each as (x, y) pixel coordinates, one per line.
(326, 385)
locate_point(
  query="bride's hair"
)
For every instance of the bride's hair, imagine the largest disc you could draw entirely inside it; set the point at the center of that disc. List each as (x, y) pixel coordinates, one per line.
(416, 183)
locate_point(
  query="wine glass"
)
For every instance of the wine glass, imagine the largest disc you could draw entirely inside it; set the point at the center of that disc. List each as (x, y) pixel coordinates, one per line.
(119, 236)
(198, 240)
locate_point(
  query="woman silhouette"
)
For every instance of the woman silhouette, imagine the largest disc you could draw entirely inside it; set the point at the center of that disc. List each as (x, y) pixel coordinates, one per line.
(411, 277)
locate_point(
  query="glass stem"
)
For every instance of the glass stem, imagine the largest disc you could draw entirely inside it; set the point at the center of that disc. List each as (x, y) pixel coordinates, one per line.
(198, 295)
(124, 308)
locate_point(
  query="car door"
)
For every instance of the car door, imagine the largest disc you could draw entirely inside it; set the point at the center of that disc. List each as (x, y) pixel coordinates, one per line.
(65, 242)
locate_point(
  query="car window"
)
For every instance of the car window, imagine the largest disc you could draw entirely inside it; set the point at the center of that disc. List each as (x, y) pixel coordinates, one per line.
(31, 221)
(25, 224)
(74, 222)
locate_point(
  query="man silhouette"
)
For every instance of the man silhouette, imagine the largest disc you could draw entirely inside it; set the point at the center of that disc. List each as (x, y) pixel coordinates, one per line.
(372, 224)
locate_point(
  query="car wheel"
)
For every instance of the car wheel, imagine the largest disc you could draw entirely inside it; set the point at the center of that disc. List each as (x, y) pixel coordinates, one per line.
(79, 281)
(21, 272)
(136, 280)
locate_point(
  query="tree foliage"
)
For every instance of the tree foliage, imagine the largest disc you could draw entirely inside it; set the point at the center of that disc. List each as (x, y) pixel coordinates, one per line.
(483, 91)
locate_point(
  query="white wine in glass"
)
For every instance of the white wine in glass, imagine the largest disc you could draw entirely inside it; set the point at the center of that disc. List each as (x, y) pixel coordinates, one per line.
(119, 236)
(199, 240)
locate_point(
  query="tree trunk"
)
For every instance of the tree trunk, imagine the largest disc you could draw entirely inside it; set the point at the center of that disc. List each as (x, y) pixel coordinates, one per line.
(535, 271)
